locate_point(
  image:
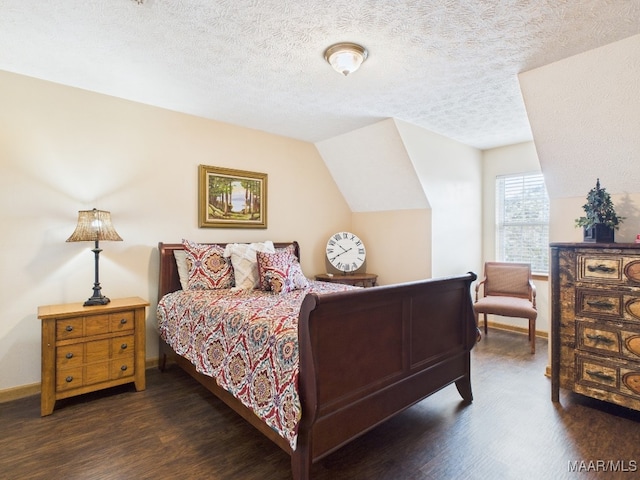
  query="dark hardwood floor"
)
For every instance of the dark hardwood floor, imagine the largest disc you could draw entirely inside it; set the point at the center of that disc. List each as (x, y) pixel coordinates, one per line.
(176, 429)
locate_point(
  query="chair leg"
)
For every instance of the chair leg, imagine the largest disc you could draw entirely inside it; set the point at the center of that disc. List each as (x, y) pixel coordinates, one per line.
(532, 334)
(485, 323)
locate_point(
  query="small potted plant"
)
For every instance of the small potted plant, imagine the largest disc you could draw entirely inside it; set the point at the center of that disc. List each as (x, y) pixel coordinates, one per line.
(600, 218)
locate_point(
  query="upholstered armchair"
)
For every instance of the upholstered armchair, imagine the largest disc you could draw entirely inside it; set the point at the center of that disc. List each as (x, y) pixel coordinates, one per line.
(508, 291)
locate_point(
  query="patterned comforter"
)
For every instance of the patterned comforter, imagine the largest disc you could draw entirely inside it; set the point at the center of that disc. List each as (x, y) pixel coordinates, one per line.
(248, 341)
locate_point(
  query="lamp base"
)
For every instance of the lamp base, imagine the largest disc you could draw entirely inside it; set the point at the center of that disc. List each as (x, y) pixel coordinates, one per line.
(102, 300)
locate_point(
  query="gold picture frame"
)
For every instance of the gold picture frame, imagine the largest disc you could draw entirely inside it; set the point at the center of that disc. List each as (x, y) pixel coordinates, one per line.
(229, 198)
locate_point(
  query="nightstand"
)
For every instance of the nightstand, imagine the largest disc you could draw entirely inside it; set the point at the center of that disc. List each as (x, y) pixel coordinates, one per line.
(90, 348)
(355, 279)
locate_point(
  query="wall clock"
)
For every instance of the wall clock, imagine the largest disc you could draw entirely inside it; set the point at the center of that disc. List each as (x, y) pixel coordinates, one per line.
(345, 251)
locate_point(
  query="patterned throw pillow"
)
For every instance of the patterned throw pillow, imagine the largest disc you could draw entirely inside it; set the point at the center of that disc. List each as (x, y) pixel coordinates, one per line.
(280, 272)
(208, 269)
(244, 262)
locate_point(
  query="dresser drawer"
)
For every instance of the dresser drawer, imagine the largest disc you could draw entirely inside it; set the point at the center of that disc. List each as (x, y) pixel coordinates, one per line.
(610, 378)
(607, 268)
(611, 304)
(610, 340)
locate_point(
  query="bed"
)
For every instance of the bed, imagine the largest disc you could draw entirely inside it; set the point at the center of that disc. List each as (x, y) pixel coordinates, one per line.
(363, 355)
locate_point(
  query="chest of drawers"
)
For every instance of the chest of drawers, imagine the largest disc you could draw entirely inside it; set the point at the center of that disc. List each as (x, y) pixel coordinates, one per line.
(91, 348)
(595, 321)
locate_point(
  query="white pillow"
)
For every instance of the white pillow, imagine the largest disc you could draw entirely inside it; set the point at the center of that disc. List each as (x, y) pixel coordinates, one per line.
(183, 268)
(245, 263)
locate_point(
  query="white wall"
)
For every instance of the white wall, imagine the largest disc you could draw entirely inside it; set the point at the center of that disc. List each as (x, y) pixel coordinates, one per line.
(64, 149)
(450, 174)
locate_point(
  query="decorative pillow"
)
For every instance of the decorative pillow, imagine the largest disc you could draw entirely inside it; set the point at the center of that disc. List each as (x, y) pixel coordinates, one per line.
(183, 268)
(245, 264)
(280, 272)
(208, 268)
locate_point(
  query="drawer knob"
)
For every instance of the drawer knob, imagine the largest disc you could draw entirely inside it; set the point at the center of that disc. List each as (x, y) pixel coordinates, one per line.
(600, 375)
(69, 379)
(69, 328)
(69, 355)
(600, 339)
(123, 368)
(123, 346)
(123, 321)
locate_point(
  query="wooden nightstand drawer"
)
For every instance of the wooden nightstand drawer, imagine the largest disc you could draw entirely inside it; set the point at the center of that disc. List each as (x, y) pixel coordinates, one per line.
(122, 346)
(70, 328)
(69, 378)
(96, 325)
(90, 348)
(70, 355)
(121, 322)
(122, 367)
(96, 373)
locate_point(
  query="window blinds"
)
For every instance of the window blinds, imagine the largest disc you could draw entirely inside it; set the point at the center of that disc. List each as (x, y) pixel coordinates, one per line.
(522, 220)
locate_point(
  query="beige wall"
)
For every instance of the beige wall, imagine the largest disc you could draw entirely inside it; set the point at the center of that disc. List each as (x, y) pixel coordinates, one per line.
(398, 243)
(64, 150)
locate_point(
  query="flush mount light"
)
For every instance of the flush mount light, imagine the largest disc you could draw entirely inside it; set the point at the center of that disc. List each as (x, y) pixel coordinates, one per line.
(345, 58)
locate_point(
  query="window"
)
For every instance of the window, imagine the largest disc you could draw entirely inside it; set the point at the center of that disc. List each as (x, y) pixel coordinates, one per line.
(522, 220)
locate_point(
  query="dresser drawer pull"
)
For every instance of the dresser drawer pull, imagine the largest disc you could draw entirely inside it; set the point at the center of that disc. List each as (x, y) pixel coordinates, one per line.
(123, 346)
(69, 379)
(600, 375)
(69, 355)
(602, 304)
(600, 339)
(69, 328)
(123, 368)
(601, 268)
(123, 321)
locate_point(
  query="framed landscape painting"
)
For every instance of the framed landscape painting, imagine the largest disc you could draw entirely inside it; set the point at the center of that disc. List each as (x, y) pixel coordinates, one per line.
(231, 198)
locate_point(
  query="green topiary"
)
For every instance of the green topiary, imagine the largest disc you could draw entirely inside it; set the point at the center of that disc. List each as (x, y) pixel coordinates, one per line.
(599, 209)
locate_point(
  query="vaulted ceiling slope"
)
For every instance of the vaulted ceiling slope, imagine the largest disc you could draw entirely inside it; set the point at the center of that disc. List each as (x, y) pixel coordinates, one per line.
(585, 115)
(448, 66)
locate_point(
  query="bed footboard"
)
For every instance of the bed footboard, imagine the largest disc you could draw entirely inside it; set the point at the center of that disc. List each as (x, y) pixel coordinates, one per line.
(367, 355)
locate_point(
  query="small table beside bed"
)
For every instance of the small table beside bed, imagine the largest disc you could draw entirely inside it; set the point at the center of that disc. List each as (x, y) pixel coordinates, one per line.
(313, 365)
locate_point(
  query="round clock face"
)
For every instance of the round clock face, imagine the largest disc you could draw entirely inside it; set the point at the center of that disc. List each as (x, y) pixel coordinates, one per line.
(345, 251)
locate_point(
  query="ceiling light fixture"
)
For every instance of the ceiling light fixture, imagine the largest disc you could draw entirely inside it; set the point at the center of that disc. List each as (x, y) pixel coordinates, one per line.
(345, 58)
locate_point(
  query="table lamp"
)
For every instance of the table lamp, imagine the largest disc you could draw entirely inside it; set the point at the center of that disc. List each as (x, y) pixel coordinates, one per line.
(94, 226)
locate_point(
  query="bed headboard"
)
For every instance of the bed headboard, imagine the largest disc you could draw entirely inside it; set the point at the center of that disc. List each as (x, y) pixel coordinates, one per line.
(169, 280)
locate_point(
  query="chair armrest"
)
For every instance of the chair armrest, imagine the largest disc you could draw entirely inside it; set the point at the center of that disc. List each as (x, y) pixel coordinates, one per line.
(478, 286)
(532, 287)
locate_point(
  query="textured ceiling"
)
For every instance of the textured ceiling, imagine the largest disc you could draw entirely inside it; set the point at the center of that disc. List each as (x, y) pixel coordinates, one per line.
(448, 66)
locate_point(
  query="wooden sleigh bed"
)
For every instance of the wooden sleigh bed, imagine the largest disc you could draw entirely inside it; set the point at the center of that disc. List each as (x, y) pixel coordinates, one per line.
(364, 356)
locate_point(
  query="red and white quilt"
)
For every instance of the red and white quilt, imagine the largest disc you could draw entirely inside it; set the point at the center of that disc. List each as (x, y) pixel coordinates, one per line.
(248, 341)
